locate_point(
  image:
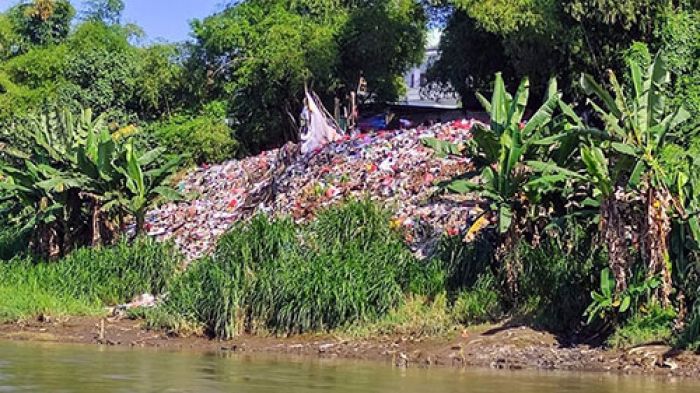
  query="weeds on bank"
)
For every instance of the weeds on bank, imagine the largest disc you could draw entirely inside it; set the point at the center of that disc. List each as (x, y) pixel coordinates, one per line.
(417, 316)
(86, 279)
(29, 301)
(346, 267)
(649, 327)
(481, 304)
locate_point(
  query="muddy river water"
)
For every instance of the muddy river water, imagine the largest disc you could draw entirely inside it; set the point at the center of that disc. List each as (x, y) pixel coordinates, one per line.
(52, 368)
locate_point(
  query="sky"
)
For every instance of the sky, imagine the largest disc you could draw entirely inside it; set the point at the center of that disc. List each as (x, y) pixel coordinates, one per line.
(160, 19)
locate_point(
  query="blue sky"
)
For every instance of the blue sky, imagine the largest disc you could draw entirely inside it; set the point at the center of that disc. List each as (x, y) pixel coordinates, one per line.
(160, 19)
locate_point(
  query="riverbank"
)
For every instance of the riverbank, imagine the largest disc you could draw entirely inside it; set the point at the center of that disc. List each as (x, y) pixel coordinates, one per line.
(493, 346)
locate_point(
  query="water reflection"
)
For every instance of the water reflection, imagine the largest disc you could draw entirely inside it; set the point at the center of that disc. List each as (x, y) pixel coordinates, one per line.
(56, 368)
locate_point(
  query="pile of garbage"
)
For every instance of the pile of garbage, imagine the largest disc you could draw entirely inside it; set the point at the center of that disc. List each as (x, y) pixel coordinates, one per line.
(393, 168)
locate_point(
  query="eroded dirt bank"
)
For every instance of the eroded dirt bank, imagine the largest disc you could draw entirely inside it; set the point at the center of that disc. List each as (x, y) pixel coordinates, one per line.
(497, 347)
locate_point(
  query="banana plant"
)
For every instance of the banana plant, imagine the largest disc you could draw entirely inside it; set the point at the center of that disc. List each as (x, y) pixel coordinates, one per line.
(144, 187)
(73, 183)
(507, 179)
(638, 125)
(513, 177)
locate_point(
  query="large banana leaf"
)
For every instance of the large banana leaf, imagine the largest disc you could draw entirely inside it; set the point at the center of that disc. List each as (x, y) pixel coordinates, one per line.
(591, 87)
(542, 116)
(517, 106)
(135, 173)
(597, 167)
(499, 105)
(486, 142)
(658, 76)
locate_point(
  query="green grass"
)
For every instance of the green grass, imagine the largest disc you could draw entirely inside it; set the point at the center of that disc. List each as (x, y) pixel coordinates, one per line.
(417, 316)
(480, 304)
(653, 326)
(26, 302)
(85, 280)
(346, 267)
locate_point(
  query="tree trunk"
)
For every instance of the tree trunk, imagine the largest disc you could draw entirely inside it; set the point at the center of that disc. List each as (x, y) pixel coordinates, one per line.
(612, 225)
(657, 228)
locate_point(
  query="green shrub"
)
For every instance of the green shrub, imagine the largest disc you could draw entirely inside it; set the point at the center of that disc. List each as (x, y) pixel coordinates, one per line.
(652, 326)
(480, 304)
(13, 242)
(346, 267)
(204, 139)
(105, 276)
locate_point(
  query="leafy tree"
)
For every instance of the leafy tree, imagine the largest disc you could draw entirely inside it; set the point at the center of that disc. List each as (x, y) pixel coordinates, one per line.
(107, 11)
(258, 55)
(543, 38)
(42, 22)
(514, 174)
(9, 39)
(679, 37)
(382, 40)
(633, 189)
(101, 68)
(159, 81)
(461, 35)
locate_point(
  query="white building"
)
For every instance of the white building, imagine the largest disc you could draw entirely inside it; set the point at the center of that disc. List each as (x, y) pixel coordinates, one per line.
(416, 79)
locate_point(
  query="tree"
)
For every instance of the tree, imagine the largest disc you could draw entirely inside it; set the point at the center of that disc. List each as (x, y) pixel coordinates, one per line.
(106, 11)
(71, 183)
(544, 38)
(382, 40)
(8, 38)
(159, 81)
(42, 22)
(461, 35)
(516, 171)
(258, 55)
(101, 68)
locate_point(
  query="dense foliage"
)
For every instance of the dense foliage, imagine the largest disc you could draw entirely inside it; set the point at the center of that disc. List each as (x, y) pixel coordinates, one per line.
(644, 212)
(259, 55)
(547, 38)
(68, 182)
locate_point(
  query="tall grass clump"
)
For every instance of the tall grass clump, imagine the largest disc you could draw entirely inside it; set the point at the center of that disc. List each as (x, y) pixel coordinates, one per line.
(347, 266)
(556, 280)
(481, 303)
(93, 276)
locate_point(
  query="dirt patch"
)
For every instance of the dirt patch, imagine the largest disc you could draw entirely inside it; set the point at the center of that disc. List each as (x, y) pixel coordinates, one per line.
(511, 348)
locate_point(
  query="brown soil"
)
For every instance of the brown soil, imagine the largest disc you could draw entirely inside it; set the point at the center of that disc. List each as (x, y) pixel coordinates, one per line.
(497, 347)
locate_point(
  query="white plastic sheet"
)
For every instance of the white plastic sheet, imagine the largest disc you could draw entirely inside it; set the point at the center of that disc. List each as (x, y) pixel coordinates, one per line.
(320, 130)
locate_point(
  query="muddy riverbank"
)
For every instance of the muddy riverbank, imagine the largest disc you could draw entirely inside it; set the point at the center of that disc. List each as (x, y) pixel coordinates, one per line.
(499, 347)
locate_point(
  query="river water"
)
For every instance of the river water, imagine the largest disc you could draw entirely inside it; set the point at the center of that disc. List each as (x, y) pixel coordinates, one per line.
(62, 368)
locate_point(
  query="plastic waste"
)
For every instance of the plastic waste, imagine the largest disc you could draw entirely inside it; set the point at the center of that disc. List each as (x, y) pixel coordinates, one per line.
(392, 168)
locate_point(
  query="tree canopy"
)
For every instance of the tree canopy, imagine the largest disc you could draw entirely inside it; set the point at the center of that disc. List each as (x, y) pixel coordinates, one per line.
(545, 38)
